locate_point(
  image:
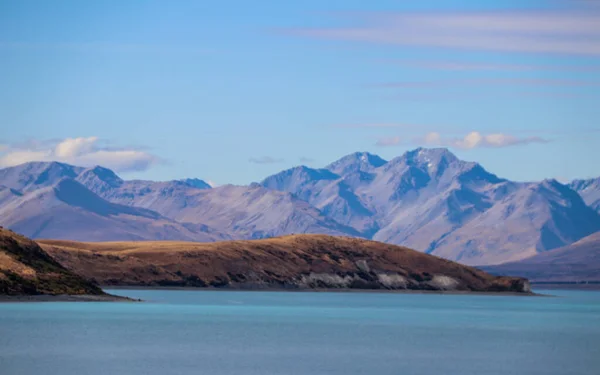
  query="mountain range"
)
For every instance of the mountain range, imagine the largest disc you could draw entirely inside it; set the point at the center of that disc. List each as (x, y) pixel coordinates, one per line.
(426, 199)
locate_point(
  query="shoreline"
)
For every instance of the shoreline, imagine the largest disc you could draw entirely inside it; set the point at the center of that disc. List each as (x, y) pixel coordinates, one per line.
(325, 290)
(595, 286)
(66, 298)
(115, 298)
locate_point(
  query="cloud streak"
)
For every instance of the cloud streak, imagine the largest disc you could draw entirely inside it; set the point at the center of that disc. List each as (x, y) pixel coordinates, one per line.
(477, 140)
(265, 160)
(388, 141)
(81, 151)
(469, 66)
(533, 82)
(469, 141)
(543, 32)
(371, 126)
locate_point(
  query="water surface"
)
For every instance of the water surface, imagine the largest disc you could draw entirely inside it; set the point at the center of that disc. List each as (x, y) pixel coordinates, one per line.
(227, 333)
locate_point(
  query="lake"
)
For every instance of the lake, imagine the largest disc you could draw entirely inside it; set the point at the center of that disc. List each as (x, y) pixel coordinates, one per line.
(227, 332)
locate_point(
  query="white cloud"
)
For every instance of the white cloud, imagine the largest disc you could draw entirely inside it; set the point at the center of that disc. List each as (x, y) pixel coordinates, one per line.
(477, 140)
(72, 147)
(470, 141)
(81, 151)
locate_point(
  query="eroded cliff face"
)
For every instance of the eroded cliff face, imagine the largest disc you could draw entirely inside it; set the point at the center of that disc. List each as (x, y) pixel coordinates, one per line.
(291, 262)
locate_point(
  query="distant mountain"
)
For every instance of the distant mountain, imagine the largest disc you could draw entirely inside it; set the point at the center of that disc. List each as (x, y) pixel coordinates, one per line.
(427, 199)
(242, 211)
(181, 209)
(589, 191)
(430, 200)
(578, 262)
(533, 219)
(356, 162)
(329, 193)
(67, 210)
(196, 183)
(35, 175)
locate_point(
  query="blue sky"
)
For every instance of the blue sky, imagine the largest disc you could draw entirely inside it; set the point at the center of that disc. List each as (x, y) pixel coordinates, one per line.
(232, 91)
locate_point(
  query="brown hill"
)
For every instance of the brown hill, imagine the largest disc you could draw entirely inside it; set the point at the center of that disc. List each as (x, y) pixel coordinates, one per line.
(289, 262)
(578, 262)
(26, 269)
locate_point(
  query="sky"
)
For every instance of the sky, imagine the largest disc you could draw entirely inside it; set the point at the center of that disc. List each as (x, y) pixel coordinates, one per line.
(233, 91)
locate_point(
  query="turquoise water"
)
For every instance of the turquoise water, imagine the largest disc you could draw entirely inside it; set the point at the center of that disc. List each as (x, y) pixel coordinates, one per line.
(218, 333)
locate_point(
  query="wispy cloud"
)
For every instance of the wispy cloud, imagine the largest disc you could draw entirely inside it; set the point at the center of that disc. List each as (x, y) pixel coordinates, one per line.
(107, 47)
(477, 140)
(388, 141)
(480, 66)
(469, 141)
(547, 32)
(529, 82)
(81, 151)
(304, 159)
(452, 96)
(371, 125)
(265, 160)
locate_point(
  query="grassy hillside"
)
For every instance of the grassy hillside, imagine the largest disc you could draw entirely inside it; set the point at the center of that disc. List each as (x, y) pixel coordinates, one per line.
(26, 269)
(294, 262)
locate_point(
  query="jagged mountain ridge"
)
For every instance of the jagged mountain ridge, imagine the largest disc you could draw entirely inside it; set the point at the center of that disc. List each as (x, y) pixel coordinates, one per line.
(427, 199)
(182, 209)
(430, 200)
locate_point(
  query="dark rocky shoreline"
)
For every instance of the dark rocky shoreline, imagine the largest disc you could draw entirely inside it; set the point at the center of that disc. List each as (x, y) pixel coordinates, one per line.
(66, 298)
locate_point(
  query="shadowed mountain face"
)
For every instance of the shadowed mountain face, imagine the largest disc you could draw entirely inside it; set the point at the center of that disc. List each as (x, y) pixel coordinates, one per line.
(578, 262)
(427, 199)
(589, 191)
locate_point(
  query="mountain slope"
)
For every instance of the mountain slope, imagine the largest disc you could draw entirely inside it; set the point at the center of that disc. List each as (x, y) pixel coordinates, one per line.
(328, 192)
(578, 262)
(26, 269)
(589, 191)
(290, 262)
(533, 219)
(70, 211)
(247, 212)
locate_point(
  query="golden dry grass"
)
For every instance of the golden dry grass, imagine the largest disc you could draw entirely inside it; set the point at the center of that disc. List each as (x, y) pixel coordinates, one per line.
(8, 263)
(273, 261)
